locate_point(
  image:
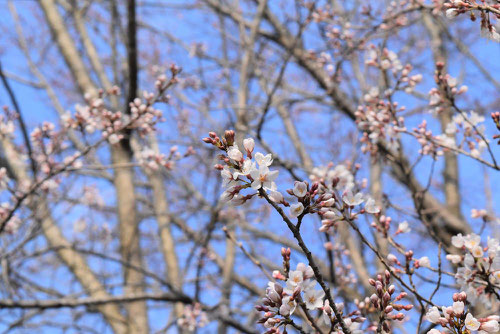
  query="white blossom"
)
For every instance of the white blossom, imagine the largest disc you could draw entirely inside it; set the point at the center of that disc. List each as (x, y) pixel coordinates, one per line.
(234, 153)
(288, 306)
(490, 326)
(371, 206)
(458, 307)
(313, 298)
(433, 315)
(471, 323)
(424, 262)
(472, 240)
(458, 240)
(451, 13)
(276, 196)
(264, 178)
(351, 199)
(404, 227)
(264, 160)
(249, 144)
(454, 258)
(296, 209)
(477, 251)
(300, 189)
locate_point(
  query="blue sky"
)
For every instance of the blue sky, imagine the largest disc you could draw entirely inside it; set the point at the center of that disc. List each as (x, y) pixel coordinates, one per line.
(192, 27)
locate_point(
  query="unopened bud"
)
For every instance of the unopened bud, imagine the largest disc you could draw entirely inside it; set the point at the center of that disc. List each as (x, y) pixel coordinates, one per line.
(229, 136)
(401, 296)
(387, 277)
(386, 298)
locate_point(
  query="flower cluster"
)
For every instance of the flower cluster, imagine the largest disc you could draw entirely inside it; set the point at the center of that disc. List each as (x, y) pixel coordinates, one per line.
(384, 59)
(384, 301)
(455, 319)
(444, 94)
(242, 172)
(479, 272)
(193, 317)
(49, 142)
(281, 301)
(154, 160)
(333, 197)
(376, 119)
(427, 141)
(143, 116)
(410, 263)
(471, 128)
(94, 115)
(456, 7)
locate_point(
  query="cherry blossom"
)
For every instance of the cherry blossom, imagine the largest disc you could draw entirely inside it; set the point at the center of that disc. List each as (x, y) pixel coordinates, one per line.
(249, 145)
(263, 160)
(456, 319)
(314, 298)
(352, 199)
(371, 207)
(300, 189)
(403, 227)
(264, 178)
(276, 196)
(234, 153)
(471, 323)
(296, 209)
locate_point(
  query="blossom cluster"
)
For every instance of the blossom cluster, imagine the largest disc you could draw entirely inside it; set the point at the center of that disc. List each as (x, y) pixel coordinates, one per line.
(152, 159)
(473, 141)
(409, 261)
(378, 117)
(384, 301)
(332, 196)
(242, 170)
(447, 89)
(455, 8)
(193, 317)
(50, 147)
(478, 273)
(455, 319)
(332, 193)
(377, 122)
(337, 197)
(471, 128)
(281, 301)
(95, 115)
(429, 146)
